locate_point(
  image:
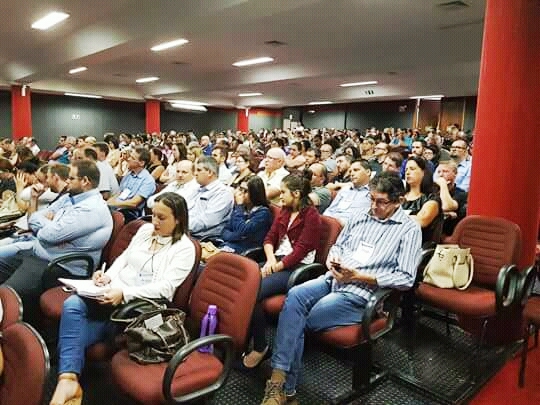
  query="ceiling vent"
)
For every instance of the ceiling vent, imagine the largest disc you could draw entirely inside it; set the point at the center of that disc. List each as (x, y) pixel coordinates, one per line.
(179, 63)
(275, 43)
(453, 5)
(369, 92)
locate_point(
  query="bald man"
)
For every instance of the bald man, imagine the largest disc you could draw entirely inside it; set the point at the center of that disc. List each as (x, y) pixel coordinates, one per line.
(273, 173)
(184, 184)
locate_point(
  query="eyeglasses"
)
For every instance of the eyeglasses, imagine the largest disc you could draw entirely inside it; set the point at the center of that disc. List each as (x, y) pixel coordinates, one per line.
(380, 202)
(458, 147)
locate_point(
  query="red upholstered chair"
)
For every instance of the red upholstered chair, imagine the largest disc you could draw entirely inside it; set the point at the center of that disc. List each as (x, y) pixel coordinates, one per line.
(229, 281)
(497, 284)
(12, 307)
(330, 230)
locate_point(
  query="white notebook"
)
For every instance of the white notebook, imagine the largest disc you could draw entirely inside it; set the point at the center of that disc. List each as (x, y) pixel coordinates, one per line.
(85, 288)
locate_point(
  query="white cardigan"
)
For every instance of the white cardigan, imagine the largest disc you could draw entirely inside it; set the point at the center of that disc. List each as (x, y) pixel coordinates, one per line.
(167, 267)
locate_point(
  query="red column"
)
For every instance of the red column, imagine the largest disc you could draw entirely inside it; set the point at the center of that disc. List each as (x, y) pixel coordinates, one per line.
(21, 112)
(242, 120)
(505, 171)
(152, 116)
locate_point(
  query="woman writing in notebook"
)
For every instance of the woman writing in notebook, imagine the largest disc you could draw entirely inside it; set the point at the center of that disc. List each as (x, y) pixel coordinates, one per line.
(158, 259)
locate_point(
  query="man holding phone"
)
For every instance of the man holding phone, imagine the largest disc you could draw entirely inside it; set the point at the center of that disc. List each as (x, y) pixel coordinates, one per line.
(379, 247)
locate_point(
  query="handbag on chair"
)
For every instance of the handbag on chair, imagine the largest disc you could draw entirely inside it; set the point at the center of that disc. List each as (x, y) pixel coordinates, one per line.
(450, 267)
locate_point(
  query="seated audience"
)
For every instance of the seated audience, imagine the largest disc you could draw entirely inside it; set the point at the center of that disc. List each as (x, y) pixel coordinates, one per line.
(213, 202)
(392, 162)
(295, 160)
(194, 152)
(454, 200)
(243, 171)
(320, 195)
(108, 183)
(251, 218)
(422, 201)
(379, 247)
(157, 163)
(459, 153)
(157, 261)
(273, 173)
(219, 153)
(327, 158)
(291, 241)
(136, 186)
(178, 153)
(184, 185)
(352, 198)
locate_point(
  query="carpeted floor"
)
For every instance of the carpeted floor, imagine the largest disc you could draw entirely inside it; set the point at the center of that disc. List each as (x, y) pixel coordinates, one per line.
(503, 387)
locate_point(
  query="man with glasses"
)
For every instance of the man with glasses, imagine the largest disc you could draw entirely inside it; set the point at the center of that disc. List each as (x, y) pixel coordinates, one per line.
(378, 248)
(327, 159)
(459, 153)
(78, 222)
(136, 186)
(273, 173)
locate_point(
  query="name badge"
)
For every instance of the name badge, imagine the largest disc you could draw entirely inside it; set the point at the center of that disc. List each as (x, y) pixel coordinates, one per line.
(155, 322)
(124, 194)
(363, 252)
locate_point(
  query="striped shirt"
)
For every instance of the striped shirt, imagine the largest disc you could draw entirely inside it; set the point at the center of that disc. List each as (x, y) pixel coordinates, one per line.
(387, 249)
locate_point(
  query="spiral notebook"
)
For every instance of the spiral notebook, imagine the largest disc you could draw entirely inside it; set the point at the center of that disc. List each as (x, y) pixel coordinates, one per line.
(85, 288)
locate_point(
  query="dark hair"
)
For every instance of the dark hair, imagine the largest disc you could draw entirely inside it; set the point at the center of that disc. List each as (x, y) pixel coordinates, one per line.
(316, 151)
(60, 170)
(5, 165)
(103, 147)
(88, 169)
(182, 151)
(90, 153)
(144, 155)
(178, 206)
(395, 157)
(355, 152)
(112, 139)
(298, 146)
(426, 187)
(306, 144)
(256, 191)
(27, 167)
(295, 182)
(363, 162)
(161, 157)
(389, 183)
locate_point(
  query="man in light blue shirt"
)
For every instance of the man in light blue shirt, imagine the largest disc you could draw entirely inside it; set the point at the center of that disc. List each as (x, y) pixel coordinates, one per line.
(352, 197)
(213, 202)
(379, 247)
(78, 222)
(459, 152)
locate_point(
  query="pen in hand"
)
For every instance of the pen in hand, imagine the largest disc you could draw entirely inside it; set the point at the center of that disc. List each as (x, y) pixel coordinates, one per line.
(100, 278)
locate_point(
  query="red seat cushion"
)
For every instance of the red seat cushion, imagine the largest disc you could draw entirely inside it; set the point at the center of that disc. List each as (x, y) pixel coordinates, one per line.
(532, 311)
(143, 382)
(52, 302)
(273, 305)
(474, 301)
(349, 336)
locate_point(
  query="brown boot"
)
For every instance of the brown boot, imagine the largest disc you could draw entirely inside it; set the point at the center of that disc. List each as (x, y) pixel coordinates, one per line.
(274, 394)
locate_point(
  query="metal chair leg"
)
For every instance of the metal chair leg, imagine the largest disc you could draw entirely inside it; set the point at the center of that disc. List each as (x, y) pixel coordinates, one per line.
(523, 363)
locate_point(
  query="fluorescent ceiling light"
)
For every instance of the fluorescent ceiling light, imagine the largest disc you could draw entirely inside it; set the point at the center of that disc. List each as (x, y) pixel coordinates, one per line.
(82, 95)
(49, 20)
(319, 102)
(170, 44)
(77, 70)
(249, 94)
(187, 102)
(433, 97)
(359, 83)
(189, 107)
(147, 79)
(255, 61)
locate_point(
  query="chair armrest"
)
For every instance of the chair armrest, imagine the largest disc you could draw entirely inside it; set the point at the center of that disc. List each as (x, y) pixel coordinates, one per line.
(73, 257)
(374, 304)
(304, 273)
(525, 285)
(218, 340)
(256, 254)
(506, 287)
(129, 311)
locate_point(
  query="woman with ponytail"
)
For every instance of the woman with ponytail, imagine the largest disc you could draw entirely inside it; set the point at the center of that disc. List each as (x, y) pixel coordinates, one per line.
(292, 240)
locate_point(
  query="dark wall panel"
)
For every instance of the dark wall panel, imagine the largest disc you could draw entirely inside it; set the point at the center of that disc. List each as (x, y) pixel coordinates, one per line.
(219, 120)
(470, 113)
(323, 118)
(397, 114)
(53, 116)
(451, 112)
(259, 121)
(5, 114)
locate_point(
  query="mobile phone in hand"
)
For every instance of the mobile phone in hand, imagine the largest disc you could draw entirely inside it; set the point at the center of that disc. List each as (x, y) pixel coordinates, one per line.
(336, 265)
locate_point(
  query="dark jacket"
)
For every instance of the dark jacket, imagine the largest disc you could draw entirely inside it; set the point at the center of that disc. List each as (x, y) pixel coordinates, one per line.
(304, 234)
(247, 229)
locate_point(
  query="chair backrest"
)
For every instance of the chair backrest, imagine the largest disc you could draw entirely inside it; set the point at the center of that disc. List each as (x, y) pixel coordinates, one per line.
(122, 240)
(494, 242)
(330, 229)
(232, 283)
(183, 292)
(26, 365)
(11, 305)
(118, 223)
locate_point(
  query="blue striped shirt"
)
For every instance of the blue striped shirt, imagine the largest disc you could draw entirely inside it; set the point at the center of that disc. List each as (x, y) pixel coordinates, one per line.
(395, 246)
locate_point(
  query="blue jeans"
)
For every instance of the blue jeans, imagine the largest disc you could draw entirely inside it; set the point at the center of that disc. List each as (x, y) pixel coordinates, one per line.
(77, 331)
(8, 260)
(312, 306)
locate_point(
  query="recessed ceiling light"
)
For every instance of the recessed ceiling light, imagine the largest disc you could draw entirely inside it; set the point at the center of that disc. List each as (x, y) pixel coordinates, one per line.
(187, 102)
(77, 70)
(311, 111)
(249, 94)
(49, 20)
(189, 107)
(319, 102)
(432, 97)
(82, 95)
(255, 61)
(359, 83)
(170, 44)
(147, 79)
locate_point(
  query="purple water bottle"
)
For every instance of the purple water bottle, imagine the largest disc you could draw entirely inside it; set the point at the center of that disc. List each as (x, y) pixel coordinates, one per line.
(208, 327)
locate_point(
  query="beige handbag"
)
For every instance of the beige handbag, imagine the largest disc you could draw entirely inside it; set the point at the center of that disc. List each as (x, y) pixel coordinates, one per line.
(450, 267)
